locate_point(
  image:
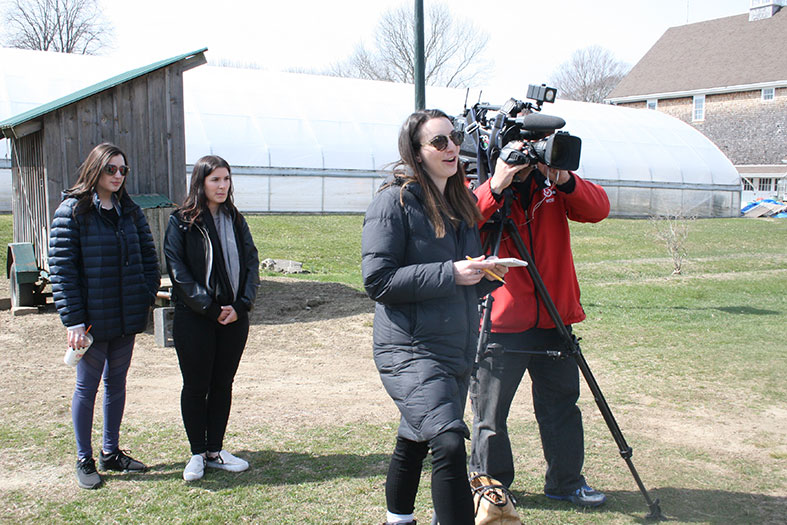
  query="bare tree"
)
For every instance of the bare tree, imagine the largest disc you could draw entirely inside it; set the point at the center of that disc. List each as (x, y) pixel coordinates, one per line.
(673, 231)
(453, 50)
(65, 26)
(589, 75)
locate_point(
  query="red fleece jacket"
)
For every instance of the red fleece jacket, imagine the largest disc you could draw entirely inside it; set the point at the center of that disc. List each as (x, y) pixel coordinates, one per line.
(546, 235)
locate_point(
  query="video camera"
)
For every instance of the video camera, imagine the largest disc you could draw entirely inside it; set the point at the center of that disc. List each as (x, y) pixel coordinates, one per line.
(489, 130)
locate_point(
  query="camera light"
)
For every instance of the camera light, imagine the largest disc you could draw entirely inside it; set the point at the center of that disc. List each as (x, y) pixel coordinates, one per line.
(541, 94)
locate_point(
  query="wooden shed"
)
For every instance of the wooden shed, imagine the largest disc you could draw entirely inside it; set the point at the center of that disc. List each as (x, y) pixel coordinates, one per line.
(141, 111)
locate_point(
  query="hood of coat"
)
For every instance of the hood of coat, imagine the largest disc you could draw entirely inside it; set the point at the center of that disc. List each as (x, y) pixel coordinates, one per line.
(413, 187)
(121, 206)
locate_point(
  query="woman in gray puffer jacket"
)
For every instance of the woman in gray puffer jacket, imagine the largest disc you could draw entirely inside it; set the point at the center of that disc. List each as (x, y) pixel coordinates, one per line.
(418, 232)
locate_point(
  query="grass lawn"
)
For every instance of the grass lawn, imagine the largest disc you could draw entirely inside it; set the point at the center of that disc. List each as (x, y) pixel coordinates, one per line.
(693, 367)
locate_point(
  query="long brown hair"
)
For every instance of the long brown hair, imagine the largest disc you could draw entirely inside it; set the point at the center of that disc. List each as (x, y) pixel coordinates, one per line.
(90, 173)
(196, 202)
(456, 203)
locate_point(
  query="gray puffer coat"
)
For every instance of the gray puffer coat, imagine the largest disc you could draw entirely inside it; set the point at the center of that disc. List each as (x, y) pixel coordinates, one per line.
(425, 325)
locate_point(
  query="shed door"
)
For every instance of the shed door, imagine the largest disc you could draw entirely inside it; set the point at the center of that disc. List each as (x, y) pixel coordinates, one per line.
(29, 199)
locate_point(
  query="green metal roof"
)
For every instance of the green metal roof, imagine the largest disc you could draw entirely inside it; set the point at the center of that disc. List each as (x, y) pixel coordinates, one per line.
(34, 113)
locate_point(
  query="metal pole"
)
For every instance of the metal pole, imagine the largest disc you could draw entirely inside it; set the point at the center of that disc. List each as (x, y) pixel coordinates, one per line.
(420, 90)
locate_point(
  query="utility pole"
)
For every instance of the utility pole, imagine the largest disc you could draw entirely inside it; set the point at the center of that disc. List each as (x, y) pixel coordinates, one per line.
(419, 73)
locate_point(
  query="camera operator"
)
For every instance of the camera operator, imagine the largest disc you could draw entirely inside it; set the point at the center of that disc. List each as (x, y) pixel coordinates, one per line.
(541, 203)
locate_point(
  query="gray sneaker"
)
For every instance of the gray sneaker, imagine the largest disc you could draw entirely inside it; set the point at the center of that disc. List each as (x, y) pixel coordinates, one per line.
(584, 496)
(226, 461)
(195, 468)
(87, 477)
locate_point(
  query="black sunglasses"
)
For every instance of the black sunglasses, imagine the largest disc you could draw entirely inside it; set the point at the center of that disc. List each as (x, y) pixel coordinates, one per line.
(111, 169)
(440, 142)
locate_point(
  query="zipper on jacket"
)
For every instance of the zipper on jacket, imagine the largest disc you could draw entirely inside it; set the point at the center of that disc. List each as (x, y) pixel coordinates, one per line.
(208, 257)
(122, 261)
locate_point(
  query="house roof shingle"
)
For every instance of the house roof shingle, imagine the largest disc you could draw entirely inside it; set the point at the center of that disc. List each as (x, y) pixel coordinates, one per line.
(730, 51)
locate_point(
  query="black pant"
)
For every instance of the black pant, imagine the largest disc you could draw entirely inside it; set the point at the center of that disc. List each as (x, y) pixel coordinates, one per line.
(209, 354)
(555, 388)
(451, 496)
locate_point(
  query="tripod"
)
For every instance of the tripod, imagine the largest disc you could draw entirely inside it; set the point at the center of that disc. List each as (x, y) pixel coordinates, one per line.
(506, 225)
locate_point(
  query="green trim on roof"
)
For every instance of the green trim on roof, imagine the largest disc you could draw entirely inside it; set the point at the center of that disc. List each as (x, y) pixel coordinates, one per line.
(152, 200)
(92, 90)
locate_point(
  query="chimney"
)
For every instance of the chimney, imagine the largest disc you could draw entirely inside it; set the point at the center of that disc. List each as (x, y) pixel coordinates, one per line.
(761, 9)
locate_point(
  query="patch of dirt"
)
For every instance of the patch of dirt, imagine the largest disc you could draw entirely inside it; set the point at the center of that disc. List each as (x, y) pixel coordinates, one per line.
(308, 361)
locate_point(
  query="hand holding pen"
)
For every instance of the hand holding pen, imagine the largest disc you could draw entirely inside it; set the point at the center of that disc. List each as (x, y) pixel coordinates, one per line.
(472, 270)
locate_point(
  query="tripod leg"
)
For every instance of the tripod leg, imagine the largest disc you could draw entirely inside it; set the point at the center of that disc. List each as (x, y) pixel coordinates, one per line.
(625, 450)
(571, 340)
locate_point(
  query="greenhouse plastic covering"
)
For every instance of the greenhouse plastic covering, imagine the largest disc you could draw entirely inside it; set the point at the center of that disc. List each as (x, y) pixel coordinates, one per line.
(329, 137)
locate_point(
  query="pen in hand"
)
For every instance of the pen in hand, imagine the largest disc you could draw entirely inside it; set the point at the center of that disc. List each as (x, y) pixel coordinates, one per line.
(488, 272)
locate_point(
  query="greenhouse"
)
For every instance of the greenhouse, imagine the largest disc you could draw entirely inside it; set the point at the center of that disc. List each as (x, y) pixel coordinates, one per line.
(307, 143)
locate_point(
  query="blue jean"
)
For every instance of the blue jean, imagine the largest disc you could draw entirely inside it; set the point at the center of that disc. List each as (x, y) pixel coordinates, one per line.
(110, 360)
(555, 389)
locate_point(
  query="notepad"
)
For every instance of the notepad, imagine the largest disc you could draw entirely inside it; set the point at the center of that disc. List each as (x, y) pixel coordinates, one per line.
(510, 261)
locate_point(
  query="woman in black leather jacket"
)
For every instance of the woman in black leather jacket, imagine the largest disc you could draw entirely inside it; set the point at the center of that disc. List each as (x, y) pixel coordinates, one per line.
(214, 268)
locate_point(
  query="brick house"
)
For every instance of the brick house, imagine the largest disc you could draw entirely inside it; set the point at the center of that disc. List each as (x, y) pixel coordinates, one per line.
(728, 78)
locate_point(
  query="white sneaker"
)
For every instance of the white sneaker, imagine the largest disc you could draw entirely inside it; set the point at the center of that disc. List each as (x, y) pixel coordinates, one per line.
(226, 461)
(195, 468)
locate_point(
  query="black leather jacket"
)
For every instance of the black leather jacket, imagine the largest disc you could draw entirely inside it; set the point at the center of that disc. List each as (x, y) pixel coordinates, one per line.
(196, 283)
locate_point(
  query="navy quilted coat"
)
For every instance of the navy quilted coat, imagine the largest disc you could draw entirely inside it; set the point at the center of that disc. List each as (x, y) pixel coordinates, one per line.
(103, 275)
(425, 325)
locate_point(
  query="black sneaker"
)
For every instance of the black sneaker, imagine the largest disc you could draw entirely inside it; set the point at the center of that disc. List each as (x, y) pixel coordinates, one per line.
(87, 477)
(120, 461)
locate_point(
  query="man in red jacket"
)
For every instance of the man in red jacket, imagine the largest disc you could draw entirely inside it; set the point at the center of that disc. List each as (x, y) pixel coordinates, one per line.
(541, 203)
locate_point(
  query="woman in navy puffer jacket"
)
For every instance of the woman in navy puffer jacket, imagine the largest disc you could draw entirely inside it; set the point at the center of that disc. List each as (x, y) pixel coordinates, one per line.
(105, 276)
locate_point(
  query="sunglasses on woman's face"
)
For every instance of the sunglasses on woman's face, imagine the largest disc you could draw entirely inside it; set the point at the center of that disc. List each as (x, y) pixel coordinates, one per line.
(111, 169)
(440, 142)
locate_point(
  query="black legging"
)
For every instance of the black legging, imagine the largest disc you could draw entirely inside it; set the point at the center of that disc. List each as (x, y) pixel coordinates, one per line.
(209, 355)
(451, 496)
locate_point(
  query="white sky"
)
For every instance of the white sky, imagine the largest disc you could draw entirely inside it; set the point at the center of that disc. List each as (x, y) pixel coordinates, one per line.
(528, 38)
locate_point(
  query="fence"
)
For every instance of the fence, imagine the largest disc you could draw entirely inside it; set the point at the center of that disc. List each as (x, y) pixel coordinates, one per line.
(300, 190)
(263, 190)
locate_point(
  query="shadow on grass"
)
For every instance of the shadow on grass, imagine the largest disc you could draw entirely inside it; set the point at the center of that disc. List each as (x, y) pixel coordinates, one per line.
(271, 467)
(677, 504)
(745, 310)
